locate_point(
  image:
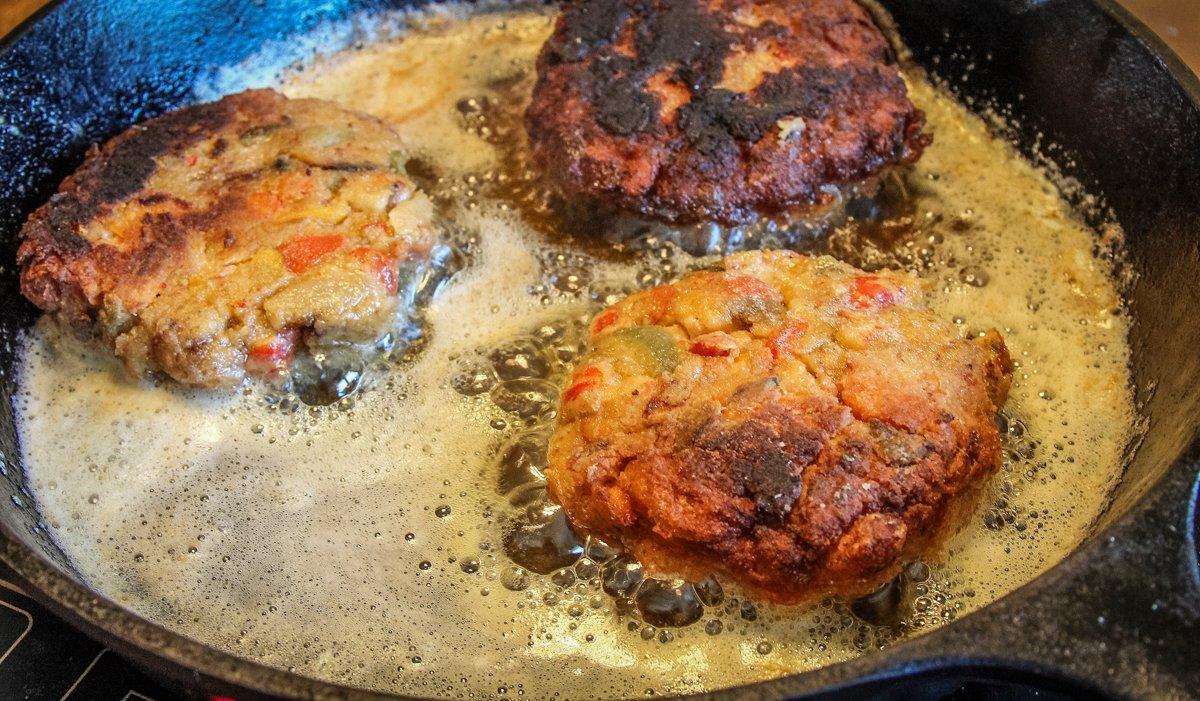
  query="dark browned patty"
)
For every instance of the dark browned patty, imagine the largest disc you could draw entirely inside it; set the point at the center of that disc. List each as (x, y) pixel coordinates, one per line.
(689, 110)
(792, 422)
(210, 241)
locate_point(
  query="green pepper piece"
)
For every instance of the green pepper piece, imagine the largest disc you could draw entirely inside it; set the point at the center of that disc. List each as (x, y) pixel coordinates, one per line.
(396, 161)
(650, 349)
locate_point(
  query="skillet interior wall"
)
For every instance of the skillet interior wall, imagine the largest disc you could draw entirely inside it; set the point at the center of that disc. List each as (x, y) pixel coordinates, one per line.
(91, 68)
(1070, 77)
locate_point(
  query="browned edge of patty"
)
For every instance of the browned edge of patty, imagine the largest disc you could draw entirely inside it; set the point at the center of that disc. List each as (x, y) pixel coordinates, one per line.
(109, 175)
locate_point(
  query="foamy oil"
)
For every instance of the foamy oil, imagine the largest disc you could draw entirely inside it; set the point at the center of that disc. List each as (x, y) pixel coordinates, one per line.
(400, 538)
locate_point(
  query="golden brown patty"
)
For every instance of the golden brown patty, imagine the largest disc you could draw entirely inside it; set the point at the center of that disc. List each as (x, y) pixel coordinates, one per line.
(794, 422)
(208, 241)
(688, 109)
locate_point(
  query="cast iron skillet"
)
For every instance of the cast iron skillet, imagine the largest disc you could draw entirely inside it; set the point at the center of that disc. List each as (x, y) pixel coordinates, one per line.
(1120, 617)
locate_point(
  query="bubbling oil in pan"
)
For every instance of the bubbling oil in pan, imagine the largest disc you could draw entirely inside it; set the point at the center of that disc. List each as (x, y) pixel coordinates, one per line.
(401, 540)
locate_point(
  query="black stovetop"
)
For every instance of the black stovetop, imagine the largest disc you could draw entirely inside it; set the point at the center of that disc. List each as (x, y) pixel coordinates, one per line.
(41, 657)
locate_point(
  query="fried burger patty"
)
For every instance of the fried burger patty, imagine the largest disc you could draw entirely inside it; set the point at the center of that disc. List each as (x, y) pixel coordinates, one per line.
(685, 110)
(208, 242)
(793, 422)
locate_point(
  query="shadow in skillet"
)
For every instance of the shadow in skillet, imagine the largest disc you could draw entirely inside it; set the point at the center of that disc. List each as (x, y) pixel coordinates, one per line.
(968, 683)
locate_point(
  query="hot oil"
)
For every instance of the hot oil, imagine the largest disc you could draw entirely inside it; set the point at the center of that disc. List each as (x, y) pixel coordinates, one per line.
(402, 541)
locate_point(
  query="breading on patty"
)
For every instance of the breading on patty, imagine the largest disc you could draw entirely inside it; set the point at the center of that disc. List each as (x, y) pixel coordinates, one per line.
(793, 422)
(210, 241)
(687, 110)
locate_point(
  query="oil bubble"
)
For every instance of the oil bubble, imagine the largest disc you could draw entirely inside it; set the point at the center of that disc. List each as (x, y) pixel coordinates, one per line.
(514, 578)
(563, 578)
(323, 378)
(523, 462)
(710, 591)
(541, 540)
(586, 569)
(521, 359)
(527, 398)
(599, 551)
(886, 606)
(473, 380)
(622, 577)
(668, 603)
(973, 276)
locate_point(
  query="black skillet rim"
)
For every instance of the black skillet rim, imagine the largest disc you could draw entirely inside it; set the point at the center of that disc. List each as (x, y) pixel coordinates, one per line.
(190, 661)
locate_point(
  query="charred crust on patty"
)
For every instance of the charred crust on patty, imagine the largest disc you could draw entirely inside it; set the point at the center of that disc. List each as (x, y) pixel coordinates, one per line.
(762, 458)
(685, 109)
(116, 171)
(110, 174)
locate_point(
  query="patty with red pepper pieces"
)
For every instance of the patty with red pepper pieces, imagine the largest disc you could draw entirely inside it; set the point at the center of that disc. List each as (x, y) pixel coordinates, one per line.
(211, 241)
(688, 110)
(797, 424)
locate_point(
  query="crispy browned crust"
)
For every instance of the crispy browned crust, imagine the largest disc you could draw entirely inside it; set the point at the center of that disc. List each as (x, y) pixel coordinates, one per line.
(821, 426)
(687, 109)
(53, 241)
(170, 242)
